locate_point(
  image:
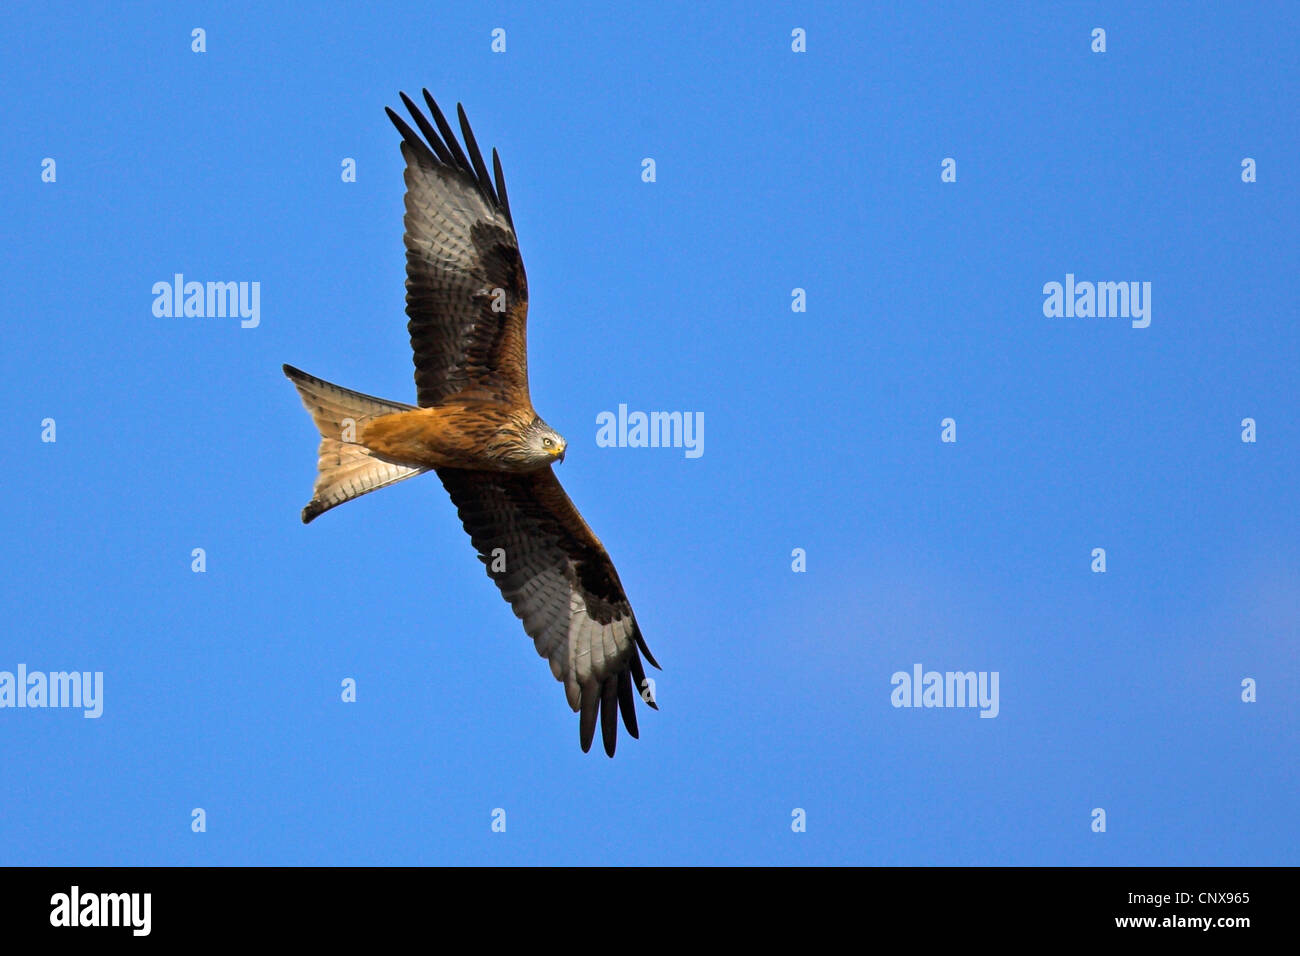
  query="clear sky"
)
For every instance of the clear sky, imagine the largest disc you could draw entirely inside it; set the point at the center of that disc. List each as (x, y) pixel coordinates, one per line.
(775, 171)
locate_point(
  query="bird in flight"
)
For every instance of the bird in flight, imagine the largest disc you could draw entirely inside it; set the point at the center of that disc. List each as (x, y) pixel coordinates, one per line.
(474, 424)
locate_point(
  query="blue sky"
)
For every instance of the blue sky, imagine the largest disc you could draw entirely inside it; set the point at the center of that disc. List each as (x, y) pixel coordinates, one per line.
(775, 171)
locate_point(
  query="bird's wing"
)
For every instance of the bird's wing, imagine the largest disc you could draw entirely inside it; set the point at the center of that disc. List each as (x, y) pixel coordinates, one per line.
(466, 292)
(561, 583)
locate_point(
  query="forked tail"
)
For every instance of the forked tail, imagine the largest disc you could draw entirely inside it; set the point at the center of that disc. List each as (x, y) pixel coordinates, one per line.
(346, 469)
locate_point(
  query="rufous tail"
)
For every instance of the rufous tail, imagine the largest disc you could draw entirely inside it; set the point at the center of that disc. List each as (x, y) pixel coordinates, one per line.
(346, 469)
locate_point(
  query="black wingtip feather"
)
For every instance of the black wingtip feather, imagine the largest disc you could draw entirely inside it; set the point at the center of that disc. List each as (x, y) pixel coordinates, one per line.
(590, 707)
(447, 135)
(640, 642)
(430, 134)
(476, 157)
(638, 675)
(411, 137)
(627, 703)
(501, 185)
(609, 715)
(437, 144)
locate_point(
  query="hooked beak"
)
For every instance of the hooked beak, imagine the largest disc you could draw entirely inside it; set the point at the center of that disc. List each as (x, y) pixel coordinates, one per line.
(558, 454)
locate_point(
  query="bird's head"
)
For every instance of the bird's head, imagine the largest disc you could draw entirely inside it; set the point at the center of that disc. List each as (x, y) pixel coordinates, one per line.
(544, 444)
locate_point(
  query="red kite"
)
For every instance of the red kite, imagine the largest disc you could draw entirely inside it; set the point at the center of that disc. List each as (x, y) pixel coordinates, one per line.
(467, 300)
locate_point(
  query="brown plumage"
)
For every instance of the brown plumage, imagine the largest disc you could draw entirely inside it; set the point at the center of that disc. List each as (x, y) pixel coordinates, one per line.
(467, 301)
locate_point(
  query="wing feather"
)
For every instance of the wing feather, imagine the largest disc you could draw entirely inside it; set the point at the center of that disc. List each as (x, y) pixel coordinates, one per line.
(625, 700)
(447, 135)
(430, 136)
(476, 158)
(561, 583)
(466, 289)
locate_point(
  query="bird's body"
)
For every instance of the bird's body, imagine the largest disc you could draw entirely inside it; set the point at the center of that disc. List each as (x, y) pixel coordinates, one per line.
(467, 301)
(462, 433)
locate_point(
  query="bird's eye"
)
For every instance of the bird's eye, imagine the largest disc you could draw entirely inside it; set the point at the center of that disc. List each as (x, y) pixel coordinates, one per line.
(546, 442)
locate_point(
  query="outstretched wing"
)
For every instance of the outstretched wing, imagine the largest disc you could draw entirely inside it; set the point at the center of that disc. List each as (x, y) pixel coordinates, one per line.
(466, 292)
(561, 583)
